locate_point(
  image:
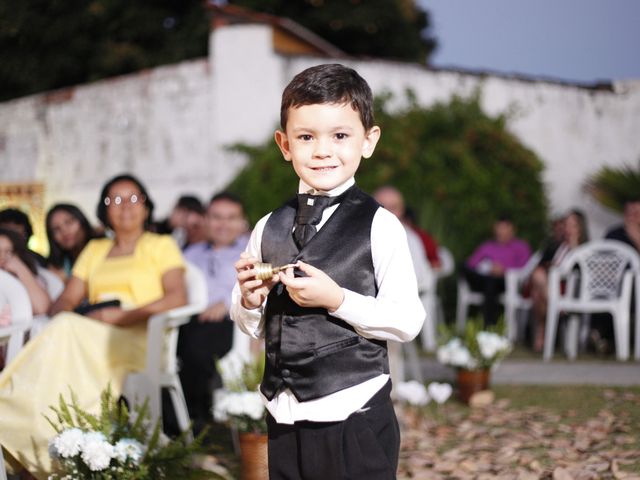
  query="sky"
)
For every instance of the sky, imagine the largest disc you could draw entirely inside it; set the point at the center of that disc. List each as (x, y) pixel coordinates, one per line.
(572, 40)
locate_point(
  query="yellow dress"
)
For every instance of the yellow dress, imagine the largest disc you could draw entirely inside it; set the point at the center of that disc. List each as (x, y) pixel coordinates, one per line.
(81, 353)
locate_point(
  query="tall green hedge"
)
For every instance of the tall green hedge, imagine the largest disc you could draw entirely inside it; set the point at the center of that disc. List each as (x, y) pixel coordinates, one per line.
(458, 168)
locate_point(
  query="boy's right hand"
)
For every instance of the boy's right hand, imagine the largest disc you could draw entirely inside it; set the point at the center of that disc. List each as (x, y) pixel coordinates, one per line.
(253, 291)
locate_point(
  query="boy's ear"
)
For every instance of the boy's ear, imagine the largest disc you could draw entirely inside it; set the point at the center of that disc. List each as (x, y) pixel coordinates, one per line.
(283, 143)
(370, 141)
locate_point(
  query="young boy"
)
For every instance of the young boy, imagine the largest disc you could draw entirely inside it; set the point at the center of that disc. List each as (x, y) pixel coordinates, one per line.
(326, 383)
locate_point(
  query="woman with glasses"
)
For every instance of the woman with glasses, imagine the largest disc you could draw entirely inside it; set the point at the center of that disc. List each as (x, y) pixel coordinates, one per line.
(126, 278)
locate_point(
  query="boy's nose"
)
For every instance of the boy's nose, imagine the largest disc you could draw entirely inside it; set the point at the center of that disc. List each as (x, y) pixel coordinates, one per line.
(322, 149)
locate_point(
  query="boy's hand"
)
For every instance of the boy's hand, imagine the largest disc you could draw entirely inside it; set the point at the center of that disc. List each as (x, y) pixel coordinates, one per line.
(253, 291)
(317, 289)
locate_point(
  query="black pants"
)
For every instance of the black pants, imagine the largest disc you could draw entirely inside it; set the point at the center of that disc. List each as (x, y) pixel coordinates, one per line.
(199, 345)
(364, 446)
(491, 287)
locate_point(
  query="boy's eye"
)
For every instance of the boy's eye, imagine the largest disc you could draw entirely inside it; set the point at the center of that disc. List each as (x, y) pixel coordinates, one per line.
(341, 136)
(305, 137)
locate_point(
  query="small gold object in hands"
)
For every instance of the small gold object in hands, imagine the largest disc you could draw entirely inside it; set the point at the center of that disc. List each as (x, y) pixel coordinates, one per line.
(264, 271)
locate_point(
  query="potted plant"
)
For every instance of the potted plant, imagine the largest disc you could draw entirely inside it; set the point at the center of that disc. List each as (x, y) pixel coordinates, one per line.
(115, 445)
(473, 354)
(239, 404)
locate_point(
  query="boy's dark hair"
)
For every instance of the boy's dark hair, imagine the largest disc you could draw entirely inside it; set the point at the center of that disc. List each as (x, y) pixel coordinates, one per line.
(231, 197)
(101, 211)
(17, 217)
(56, 253)
(328, 83)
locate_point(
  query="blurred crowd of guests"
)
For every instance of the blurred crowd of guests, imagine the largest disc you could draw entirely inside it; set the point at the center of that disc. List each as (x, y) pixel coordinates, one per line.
(140, 263)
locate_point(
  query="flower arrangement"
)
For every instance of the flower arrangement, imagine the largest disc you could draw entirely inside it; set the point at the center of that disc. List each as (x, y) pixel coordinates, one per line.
(239, 402)
(114, 445)
(476, 348)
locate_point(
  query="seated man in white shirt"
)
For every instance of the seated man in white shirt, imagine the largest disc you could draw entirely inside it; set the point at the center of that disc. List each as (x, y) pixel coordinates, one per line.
(326, 322)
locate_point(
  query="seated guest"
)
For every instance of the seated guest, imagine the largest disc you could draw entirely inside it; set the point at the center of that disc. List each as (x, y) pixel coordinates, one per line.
(209, 336)
(575, 233)
(142, 274)
(553, 241)
(18, 221)
(177, 222)
(485, 268)
(629, 231)
(392, 199)
(428, 242)
(15, 259)
(68, 231)
(195, 229)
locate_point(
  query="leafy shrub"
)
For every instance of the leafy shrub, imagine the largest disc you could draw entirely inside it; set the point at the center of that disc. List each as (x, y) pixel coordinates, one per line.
(613, 187)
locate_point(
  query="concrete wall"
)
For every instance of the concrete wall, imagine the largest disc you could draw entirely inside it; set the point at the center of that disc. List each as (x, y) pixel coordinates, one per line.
(170, 125)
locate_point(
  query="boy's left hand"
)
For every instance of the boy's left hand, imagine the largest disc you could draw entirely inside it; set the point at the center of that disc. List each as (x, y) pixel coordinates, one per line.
(317, 289)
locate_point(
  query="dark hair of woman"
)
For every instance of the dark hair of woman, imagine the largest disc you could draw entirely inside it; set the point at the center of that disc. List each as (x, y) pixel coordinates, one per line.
(19, 248)
(101, 211)
(582, 224)
(56, 253)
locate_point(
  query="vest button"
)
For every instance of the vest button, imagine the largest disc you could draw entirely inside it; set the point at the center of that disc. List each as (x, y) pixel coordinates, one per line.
(285, 372)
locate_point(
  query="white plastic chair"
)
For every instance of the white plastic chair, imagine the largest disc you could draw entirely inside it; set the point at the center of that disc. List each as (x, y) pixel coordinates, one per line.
(161, 368)
(447, 262)
(598, 278)
(512, 298)
(432, 303)
(15, 294)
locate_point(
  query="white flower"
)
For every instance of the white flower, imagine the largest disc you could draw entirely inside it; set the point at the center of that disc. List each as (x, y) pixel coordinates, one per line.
(221, 405)
(230, 367)
(128, 448)
(69, 442)
(456, 354)
(96, 451)
(440, 392)
(492, 344)
(237, 404)
(412, 392)
(252, 404)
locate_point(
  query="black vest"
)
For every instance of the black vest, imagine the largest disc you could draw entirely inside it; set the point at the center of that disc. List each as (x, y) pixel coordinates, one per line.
(307, 350)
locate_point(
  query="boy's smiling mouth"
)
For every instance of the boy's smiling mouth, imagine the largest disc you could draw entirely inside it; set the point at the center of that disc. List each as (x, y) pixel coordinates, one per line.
(323, 169)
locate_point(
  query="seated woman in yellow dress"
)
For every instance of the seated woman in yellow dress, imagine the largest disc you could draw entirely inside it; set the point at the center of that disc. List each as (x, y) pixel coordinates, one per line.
(142, 270)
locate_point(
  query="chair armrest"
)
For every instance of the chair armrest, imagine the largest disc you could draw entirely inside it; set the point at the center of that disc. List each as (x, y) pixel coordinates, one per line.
(157, 327)
(14, 334)
(178, 316)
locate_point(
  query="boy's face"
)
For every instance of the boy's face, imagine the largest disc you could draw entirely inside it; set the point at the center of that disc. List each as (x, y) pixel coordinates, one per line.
(325, 143)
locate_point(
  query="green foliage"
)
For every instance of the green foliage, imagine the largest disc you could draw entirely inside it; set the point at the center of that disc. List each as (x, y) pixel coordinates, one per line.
(613, 187)
(161, 458)
(397, 29)
(457, 167)
(51, 44)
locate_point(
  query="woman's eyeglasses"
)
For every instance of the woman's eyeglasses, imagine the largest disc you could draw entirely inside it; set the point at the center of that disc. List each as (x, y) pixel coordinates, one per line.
(118, 200)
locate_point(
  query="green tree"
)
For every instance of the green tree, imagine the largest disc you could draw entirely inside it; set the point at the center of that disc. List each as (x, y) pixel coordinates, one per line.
(457, 167)
(394, 29)
(47, 44)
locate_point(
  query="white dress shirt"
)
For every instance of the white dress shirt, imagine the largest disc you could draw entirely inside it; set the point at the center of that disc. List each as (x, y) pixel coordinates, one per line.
(396, 313)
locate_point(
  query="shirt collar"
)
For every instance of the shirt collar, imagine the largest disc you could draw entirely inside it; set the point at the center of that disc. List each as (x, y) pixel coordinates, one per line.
(304, 188)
